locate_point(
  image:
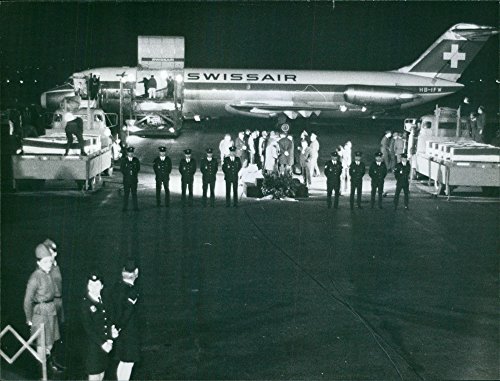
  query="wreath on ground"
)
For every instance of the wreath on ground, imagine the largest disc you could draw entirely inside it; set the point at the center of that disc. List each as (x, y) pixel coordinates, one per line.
(280, 186)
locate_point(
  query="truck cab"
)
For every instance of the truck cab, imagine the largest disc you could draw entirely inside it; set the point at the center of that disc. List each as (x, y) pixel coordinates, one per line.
(444, 124)
(448, 157)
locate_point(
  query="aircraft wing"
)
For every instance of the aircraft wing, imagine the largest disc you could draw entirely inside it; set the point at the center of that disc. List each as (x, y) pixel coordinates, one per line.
(283, 106)
(291, 109)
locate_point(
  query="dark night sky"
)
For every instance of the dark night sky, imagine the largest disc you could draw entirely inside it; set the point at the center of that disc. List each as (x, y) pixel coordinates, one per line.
(289, 35)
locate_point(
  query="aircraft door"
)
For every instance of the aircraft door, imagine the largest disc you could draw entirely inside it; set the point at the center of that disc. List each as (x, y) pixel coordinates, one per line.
(160, 70)
(80, 85)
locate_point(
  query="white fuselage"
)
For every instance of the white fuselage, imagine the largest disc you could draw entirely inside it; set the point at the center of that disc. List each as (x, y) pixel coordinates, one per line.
(222, 92)
(208, 91)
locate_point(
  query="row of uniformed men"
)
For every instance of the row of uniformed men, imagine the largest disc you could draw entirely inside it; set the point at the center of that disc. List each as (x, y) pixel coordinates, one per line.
(104, 327)
(377, 173)
(162, 165)
(333, 170)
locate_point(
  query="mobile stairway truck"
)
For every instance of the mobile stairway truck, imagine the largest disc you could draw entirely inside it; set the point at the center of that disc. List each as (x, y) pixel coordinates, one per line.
(448, 157)
(43, 158)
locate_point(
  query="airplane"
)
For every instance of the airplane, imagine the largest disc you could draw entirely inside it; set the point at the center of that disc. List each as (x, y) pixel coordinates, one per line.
(210, 93)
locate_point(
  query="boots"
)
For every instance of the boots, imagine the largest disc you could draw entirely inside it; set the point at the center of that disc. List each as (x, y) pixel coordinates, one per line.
(57, 364)
(53, 366)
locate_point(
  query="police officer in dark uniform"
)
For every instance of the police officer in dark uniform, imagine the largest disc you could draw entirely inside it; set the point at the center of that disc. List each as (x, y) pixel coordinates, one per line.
(125, 304)
(98, 328)
(209, 167)
(130, 168)
(377, 172)
(357, 170)
(231, 168)
(162, 166)
(402, 174)
(333, 170)
(187, 168)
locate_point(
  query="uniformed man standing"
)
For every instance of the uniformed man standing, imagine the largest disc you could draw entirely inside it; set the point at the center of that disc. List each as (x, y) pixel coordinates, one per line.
(357, 170)
(285, 160)
(231, 169)
(377, 172)
(402, 174)
(187, 168)
(125, 304)
(333, 170)
(130, 168)
(55, 274)
(39, 306)
(209, 167)
(98, 328)
(162, 166)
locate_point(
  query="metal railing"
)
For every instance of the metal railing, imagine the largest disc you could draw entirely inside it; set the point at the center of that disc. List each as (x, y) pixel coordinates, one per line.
(40, 357)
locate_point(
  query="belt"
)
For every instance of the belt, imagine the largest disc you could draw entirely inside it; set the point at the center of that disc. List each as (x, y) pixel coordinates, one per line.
(45, 302)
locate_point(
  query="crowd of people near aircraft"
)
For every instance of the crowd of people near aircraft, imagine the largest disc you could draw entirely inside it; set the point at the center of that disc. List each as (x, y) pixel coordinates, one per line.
(272, 153)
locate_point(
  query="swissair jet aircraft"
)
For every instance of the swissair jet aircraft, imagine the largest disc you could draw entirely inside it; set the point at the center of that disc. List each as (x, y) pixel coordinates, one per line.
(329, 94)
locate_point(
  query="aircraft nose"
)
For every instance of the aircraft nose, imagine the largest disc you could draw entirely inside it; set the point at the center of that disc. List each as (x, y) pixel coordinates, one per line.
(43, 100)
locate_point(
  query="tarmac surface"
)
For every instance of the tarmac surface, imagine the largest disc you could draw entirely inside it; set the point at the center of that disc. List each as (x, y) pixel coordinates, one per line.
(273, 289)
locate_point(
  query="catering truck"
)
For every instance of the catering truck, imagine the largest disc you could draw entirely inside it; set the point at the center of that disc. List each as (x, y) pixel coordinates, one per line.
(43, 158)
(444, 152)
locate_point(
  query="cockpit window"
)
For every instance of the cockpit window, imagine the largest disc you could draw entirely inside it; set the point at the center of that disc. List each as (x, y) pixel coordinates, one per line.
(98, 118)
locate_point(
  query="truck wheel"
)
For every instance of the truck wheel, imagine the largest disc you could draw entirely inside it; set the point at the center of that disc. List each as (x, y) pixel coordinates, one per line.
(107, 172)
(92, 183)
(419, 176)
(413, 174)
(491, 191)
(442, 190)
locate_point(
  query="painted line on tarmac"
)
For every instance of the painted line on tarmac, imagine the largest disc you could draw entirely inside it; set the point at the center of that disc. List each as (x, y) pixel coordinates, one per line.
(51, 193)
(106, 199)
(377, 337)
(472, 199)
(432, 232)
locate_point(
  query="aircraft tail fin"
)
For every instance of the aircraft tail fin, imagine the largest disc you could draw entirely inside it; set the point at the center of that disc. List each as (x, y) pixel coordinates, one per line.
(448, 57)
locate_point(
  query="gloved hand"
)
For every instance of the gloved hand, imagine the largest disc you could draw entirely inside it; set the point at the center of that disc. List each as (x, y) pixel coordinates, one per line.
(132, 295)
(107, 346)
(114, 332)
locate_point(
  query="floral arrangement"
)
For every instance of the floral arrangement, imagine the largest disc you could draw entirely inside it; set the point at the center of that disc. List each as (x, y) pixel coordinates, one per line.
(279, 186)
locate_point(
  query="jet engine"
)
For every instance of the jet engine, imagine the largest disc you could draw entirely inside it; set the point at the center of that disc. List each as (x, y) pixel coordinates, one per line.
(51, 100)
(377, 96)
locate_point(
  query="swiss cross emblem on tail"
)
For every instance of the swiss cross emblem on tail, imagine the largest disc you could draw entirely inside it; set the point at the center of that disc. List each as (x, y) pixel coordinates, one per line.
(451, 53)
(454, 56)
